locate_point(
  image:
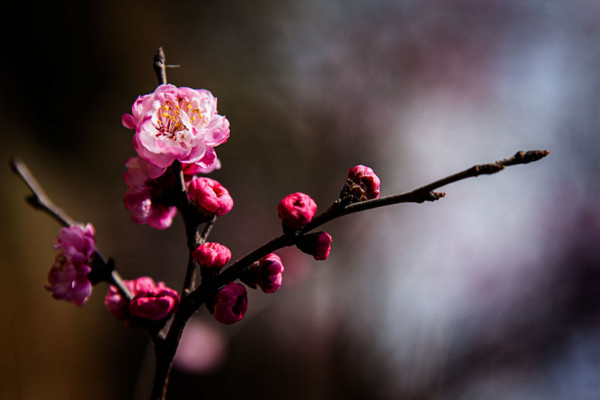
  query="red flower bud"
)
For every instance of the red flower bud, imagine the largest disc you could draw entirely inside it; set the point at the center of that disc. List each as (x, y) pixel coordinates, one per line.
(212, 255)
(231, 303)
(317, 244)
(296, 210)
(270, 273)
(210, 196)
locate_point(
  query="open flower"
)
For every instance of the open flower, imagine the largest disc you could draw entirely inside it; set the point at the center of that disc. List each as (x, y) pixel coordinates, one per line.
(68, 276)
(177, 123)
(147, 199)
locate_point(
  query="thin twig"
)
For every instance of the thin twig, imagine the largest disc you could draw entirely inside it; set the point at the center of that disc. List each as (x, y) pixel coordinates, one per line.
(39, 199)
(160, 68)
(102, 270)
(426, 193)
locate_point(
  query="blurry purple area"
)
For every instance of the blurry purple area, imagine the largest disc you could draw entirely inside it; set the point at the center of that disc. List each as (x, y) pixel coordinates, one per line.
(490, 293)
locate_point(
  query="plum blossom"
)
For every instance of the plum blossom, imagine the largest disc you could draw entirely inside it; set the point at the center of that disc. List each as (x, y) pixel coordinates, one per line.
(147, 198)
(362, 183)
(270, 273)
(177, 123)
(316, 244)
(210, 196)
(212, 255)
(67, 278)
(296, 210)
(231, 303)
(149, 300)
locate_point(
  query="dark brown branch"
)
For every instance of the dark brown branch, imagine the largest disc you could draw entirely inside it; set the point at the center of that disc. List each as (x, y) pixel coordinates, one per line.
(160, 68)
(102, 270)
(426, 193)
(39, 199)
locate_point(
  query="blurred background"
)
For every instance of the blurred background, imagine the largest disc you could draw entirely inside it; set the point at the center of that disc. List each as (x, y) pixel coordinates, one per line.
(490, 293)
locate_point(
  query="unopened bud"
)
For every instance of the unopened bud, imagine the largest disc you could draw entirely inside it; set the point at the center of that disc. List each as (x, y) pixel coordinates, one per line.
(362, 184)
(316, 244)
(296, 210)
(210, 196)
(212, 255)
(231, 303)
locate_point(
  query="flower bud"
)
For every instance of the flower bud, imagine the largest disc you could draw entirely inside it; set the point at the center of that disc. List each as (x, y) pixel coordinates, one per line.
(270, 273)
(231, 303)
(296, 210)
(210, 196)
(212, 255)
(116, 303)
(317, 244)
(362, 184)
(150, 301)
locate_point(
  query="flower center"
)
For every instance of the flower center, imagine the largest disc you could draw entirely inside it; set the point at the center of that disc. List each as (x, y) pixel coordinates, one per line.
(174, 119)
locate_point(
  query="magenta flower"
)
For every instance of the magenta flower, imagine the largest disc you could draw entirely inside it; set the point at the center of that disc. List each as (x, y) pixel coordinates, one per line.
(67, 278)
(177, 124)
(316, 244)
(270, 273)
(210, 196)
(296, 210)
(146, 198)
(231, 303)
(76, 243)
(68, 281)
(363, 183)
(212, 255)
(150, 301)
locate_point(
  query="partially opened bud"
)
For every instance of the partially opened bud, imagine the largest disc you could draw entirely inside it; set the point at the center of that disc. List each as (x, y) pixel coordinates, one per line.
(150, 300)
(317, 244)
(154, 304)
(231, 303)
(210, 196)
(270, 273)
(362, 184)
(212, 255)
(296, 210)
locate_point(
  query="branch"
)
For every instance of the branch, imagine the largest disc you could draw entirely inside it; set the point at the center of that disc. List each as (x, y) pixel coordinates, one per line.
(102, 270)
(160, 67)
(425, 193)
(39, 199)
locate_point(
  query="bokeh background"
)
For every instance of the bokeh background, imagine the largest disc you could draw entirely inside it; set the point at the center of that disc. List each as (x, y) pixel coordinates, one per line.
(490, 293)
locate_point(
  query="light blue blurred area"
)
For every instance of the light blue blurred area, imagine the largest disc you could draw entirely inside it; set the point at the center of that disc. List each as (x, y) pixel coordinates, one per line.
(490, 293)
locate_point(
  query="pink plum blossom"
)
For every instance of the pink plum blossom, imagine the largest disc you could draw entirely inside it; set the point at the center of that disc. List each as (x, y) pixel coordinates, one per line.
(149, 300)
(270, 273)
(145, 197)
(212, 255)
(68, 281)
(316, 244)
(296, 210)
(231, 303)
(177, 123)
(364, 183)
(76, 243)
(68, 276)
(210, 196)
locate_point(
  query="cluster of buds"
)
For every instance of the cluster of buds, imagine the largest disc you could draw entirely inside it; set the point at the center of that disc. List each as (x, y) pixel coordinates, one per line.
(176, 131)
